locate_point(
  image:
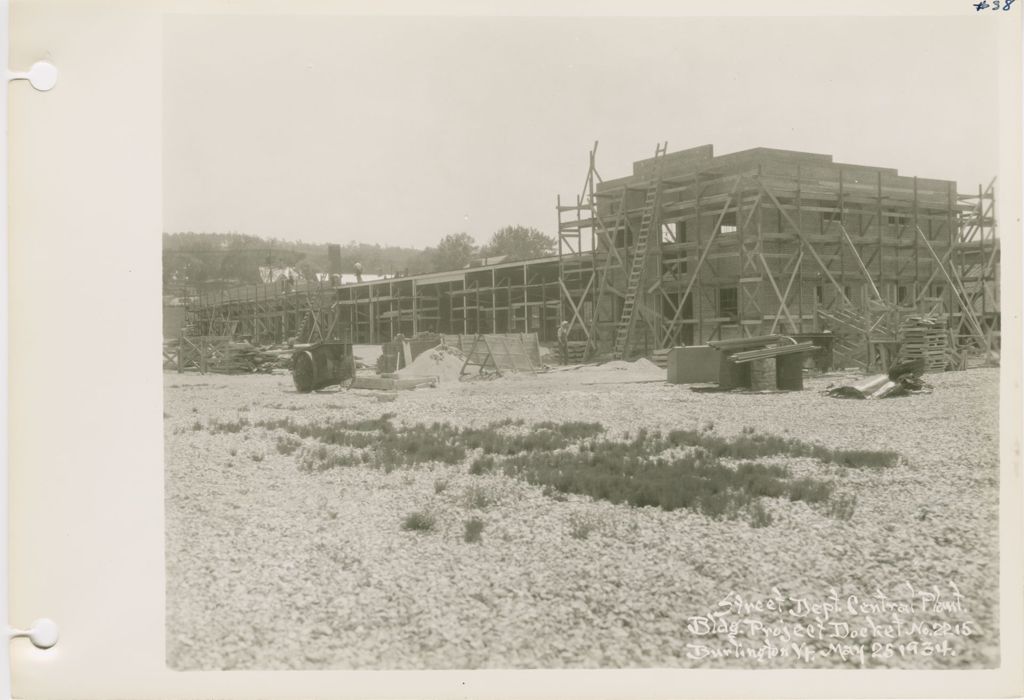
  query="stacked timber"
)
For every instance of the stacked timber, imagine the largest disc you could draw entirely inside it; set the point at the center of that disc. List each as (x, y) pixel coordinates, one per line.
(926, 339)
(577, 350)
(242, 358)
(223, 355)
(660, 358)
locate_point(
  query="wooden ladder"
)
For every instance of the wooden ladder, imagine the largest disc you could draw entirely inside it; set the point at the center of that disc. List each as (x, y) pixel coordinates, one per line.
(639, 261)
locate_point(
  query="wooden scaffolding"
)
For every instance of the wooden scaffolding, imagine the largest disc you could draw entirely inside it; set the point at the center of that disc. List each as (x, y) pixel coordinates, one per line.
(694, 248)
(690, 248)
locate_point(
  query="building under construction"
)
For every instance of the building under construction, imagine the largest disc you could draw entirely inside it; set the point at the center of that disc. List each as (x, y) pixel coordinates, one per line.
(688, 248)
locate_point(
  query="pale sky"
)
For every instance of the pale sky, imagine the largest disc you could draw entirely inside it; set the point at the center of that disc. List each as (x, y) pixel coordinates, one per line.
(400, 130)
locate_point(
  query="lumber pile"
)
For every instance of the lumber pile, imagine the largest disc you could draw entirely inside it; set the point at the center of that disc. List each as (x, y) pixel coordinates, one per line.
(926, 339)
(577, 351)
(242, 358)
(223, 355)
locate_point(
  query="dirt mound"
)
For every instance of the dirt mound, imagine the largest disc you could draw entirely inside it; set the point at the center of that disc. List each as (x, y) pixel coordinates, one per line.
(443, 361)
(645, 365)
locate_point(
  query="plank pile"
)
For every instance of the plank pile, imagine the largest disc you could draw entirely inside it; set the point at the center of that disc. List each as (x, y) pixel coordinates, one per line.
(223, 355)
(925, 338)
(243, 358)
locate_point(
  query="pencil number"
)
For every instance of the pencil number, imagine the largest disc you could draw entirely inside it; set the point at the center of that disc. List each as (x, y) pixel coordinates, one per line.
(995, 6)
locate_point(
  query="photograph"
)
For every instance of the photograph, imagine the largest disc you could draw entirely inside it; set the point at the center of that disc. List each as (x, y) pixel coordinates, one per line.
(511, 341)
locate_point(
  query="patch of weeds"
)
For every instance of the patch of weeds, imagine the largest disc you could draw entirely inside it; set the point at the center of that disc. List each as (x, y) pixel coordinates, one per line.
(626, 473)
(440, 485)
(243, 409)
(390, 447)
(235, 426)
(758, 515)
(419, 521)
(256, 456)
(482, 465)
(752, 445)
(680, 469)
(195, 409)
(863, 458)
(761, 480)
(197, 426)
(419, 444)
(473, 528)
(809, 490)
(573, 430)
(287, 444)
(842, 506)
(321, 458)
(233, 451)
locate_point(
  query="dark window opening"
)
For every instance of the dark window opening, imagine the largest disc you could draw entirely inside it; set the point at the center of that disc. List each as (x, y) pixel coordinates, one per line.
(901, 294)
(819, 294)
(894, 219)
(728, 302)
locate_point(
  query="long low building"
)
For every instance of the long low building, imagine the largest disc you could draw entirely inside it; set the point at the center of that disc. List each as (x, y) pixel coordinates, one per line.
(688, 248)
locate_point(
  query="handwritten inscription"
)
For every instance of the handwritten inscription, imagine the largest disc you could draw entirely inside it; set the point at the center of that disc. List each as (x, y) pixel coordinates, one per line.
(856, 628)
(994, 6)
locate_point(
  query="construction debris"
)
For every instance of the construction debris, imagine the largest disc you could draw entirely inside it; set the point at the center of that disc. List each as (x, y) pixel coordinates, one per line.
(766, 362)
(927, 339)
(902, 379)
(223, 355)
(499, 353)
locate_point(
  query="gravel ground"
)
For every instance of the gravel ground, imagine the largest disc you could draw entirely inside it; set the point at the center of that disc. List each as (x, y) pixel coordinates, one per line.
(271, 567)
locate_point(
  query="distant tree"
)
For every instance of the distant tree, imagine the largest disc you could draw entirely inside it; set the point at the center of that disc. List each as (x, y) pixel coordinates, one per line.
(519, 243)
(454, 252)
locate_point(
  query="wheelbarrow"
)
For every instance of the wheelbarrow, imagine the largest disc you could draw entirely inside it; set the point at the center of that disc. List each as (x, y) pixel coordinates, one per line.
(322, 364)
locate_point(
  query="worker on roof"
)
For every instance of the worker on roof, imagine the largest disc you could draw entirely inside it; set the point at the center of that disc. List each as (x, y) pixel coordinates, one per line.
(359, 272)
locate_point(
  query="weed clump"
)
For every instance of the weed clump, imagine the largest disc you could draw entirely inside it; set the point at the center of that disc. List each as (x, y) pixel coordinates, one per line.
(419, 521)
(809, 490)
(287, 444)
(684, 468)
(573, 430)
(759, 515)
(627, 473)
(482, 465)
(871, 459)
(473, 528)
(322, 458)
(235, 426)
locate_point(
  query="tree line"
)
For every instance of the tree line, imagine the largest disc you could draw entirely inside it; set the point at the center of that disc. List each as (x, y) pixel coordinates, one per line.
(216, 260)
